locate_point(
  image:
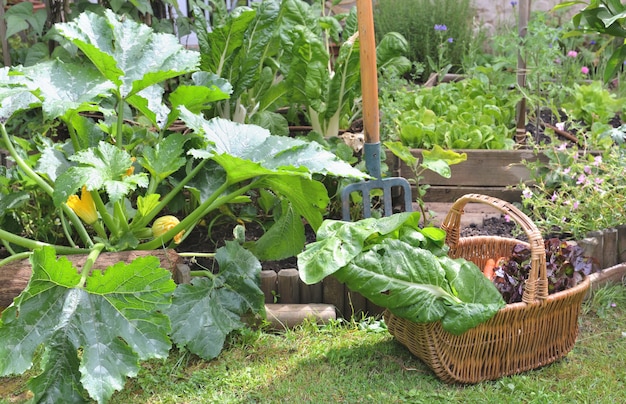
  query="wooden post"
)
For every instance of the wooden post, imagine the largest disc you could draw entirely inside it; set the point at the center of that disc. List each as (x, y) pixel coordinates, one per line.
(268, 284)
(288, 289)
(310, 293)
(621, 243)
(334, 292)
(593, 246)
(609, 249)
(374, 310)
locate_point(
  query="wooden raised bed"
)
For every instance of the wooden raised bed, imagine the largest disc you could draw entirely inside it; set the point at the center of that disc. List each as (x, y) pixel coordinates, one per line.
(487, 172)
(15, 276)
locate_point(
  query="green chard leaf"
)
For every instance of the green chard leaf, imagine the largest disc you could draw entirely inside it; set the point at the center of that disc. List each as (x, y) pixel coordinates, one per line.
(216, 304)
(114, 320)
(340, 242)
(398, 266)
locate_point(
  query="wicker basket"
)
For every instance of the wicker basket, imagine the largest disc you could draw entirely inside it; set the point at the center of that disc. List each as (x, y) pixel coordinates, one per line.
(521, 336)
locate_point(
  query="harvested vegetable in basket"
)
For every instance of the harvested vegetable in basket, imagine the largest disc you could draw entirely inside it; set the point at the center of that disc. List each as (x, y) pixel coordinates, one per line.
(397, 265)
(566, 266)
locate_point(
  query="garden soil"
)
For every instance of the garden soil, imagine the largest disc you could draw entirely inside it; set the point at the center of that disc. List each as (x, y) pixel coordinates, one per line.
(477, 219)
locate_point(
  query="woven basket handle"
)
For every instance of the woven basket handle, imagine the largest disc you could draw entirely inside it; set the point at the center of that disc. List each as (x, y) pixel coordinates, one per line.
(536, 286)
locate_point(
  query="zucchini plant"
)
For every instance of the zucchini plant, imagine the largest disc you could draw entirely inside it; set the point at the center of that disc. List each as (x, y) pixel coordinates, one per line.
(114, 179)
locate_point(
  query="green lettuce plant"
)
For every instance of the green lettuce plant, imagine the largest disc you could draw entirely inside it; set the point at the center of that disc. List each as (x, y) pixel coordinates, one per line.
(469, 114)
(115, 179)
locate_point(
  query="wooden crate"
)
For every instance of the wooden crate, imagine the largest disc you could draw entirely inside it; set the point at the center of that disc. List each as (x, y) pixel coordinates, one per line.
(487, 172)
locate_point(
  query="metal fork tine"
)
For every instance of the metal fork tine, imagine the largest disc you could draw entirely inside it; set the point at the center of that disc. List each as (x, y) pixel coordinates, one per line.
(364, 187)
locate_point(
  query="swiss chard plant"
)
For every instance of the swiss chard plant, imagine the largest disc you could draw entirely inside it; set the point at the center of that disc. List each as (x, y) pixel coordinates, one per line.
(397, 265)
(279, 53)
(116, 178)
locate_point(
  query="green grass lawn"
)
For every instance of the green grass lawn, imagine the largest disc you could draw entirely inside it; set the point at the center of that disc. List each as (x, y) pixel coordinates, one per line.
(359, 362)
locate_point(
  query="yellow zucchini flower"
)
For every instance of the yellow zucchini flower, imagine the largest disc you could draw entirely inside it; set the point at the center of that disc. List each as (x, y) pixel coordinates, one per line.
(165, 223)
(131, 170)
(84, 206)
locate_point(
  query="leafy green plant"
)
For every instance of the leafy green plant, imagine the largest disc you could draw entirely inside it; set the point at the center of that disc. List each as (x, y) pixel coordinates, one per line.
(416, 21)
(592, 103)
(603, 17)
(129, 170)
(468, 114)
(22, 42)
(397, 265)
(282, 53)
(436, 160)
(575, 191)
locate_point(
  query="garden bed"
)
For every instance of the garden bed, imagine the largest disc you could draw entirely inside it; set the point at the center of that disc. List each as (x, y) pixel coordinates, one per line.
(487, 172)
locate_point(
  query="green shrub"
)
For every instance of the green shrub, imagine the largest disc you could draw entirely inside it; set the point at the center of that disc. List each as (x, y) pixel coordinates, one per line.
(416, 20)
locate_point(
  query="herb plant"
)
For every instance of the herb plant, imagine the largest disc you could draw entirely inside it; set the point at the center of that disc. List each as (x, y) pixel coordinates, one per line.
(397, 265)
(114, 180)
(575, 191)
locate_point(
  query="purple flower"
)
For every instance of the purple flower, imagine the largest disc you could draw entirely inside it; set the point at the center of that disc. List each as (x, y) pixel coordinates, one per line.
(440, 27)
(587, 170)
(567, 170)
(575, 205)
(527, 193)
(597, 161)
(572, 54)
(450, 40)
(581, 179)
(513, 3)
(592, 42)
(554, 197)
(584, 70)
